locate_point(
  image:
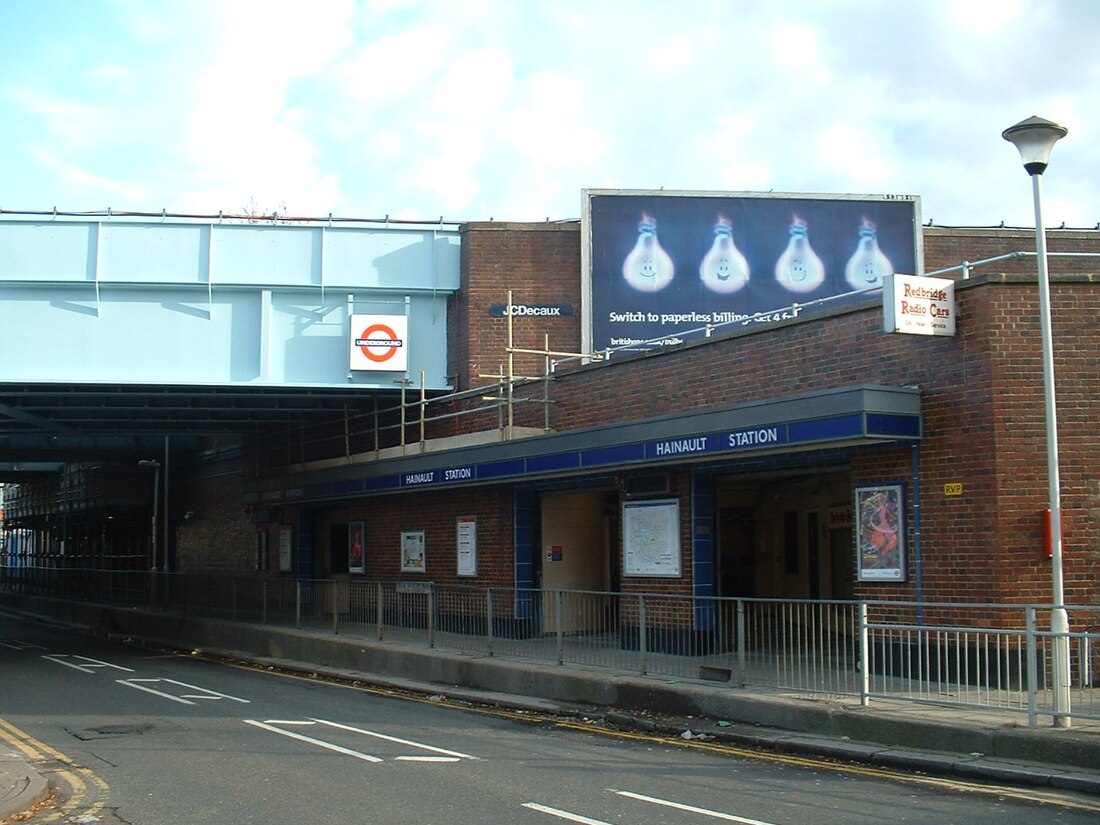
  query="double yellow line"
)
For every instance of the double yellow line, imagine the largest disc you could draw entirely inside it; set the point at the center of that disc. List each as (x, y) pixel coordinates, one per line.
(84, 792)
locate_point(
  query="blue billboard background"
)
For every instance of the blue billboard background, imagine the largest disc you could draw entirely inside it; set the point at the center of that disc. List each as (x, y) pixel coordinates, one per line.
(663, 264)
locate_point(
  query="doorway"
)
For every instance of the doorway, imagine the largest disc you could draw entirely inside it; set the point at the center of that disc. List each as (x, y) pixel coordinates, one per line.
(577, 530)
(737, 552)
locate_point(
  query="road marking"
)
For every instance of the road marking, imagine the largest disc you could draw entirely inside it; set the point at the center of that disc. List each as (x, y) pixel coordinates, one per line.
(690, 808)
(89, 666)
(87, 792)
(366, 757)
(16, 644)
(534, 806)
(408, 742)
(183, 698)
(277, 725)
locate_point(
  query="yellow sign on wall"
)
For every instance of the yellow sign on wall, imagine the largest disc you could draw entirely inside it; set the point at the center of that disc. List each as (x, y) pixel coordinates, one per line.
(955, 488)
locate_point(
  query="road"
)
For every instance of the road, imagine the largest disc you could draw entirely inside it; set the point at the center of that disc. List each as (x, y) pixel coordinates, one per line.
(132, 735)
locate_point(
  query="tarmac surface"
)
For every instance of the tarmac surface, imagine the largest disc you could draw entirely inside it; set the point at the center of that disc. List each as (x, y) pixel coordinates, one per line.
(968, 743)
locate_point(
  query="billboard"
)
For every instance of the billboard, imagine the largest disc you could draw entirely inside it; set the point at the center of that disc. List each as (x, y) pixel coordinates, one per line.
(659, 267)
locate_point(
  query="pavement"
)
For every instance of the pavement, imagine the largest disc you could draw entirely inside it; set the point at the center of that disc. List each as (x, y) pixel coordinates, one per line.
(963, 743)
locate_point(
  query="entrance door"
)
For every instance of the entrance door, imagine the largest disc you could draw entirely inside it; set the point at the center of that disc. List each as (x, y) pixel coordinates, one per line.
(574, 558)
(842, 550)
(336, 569)
(737, 551)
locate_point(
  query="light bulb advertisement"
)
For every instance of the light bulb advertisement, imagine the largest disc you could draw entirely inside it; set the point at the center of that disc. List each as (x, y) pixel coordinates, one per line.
(663, 267)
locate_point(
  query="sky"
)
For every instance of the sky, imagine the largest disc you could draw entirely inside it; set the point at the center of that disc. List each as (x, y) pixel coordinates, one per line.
(508, 109)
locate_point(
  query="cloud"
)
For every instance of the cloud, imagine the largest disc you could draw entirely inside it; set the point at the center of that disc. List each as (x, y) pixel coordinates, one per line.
(495, 108)
(81, 178)
(242, 137)
(67, 124)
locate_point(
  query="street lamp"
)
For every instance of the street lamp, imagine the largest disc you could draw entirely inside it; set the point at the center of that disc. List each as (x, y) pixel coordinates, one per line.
(155, 465)
(1035, 137)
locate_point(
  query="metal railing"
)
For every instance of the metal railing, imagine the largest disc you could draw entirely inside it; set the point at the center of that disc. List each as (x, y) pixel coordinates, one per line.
(990, 656)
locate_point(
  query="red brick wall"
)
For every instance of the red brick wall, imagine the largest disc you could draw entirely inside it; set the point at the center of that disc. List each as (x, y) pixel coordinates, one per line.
(947, 247)
(983, 416)
(541, 264)
(386, 518)
(221, 535)
(981, 391)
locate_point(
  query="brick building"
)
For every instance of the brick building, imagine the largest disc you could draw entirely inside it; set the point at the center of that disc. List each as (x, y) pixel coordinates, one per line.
(555, 506)
(728, 465)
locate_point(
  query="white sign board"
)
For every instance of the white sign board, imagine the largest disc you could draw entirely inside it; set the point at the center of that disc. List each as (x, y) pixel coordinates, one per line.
(379, 343)
(917, 305)
(467, 545)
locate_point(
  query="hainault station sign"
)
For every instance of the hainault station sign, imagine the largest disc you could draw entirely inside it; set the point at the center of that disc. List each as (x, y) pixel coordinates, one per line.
(832, 418)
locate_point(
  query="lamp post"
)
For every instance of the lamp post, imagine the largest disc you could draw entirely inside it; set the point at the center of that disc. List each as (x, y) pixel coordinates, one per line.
(1034, 138)
(155, 465)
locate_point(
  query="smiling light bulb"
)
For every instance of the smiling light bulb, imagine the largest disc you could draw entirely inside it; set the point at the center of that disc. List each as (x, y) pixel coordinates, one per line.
(648, 268)
(868, 267)
(724, 269)
(798, 268)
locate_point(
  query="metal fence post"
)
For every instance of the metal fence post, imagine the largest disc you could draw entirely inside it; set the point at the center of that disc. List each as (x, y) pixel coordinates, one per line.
(431, 615)
(298, 604)
(489, 618)
(741, 669)
(864, 658)
(1032, 668)
(642, 664)
(378, 611)
(335, 608)
(558, 603)
(263, 601)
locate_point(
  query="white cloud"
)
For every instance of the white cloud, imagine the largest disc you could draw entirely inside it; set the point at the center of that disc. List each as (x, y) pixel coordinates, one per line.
(491, 107)
(81, 178)
(857, 153)
(241, 134)
(66, 124)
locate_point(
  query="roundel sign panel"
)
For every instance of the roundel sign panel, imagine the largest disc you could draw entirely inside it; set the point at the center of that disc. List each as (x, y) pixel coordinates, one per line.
(379, 343)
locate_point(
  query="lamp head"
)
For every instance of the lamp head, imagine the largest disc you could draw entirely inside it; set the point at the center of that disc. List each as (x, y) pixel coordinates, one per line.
(1034, 138)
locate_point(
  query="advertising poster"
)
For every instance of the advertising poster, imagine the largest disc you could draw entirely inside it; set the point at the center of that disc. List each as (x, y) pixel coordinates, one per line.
(651, 538)
(660, 264)
(356, 545)
(880, 533)
(412, 551)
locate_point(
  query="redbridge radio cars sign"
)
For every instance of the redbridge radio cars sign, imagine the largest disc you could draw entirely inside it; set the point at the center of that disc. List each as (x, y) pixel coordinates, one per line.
(919, 305)
(379, 343)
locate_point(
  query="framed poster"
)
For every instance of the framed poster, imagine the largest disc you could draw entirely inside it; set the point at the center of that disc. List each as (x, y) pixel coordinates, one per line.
(880, 533)
(356, 544)
(467, 545)
(285, 549)
(412, 551)
(651, 538)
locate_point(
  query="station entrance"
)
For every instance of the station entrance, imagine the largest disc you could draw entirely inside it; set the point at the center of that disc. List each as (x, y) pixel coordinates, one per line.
(785, 536)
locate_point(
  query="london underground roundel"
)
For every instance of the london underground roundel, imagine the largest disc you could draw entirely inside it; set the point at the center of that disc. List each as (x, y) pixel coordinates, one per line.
(379, 342)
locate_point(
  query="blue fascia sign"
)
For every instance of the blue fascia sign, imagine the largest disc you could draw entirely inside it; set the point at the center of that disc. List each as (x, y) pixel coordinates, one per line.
(679, 448)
